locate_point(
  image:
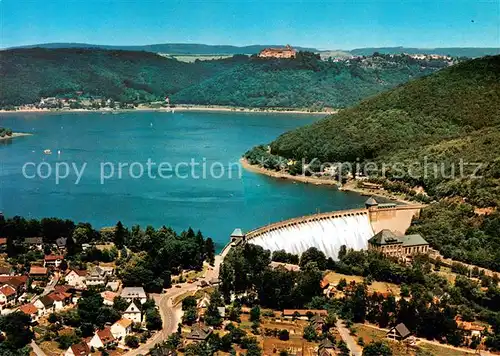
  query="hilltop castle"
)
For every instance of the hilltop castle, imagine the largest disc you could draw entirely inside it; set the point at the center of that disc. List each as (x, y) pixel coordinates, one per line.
(287, 52)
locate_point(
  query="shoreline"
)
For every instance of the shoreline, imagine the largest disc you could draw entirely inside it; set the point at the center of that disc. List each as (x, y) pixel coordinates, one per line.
(348, 187)
(14, 135)
(183, 108)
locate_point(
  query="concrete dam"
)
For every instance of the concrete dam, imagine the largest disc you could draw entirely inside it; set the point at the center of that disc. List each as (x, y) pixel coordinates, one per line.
(329, 231)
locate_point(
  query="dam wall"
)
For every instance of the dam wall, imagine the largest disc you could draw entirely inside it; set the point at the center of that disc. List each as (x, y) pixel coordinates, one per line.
(329, 231)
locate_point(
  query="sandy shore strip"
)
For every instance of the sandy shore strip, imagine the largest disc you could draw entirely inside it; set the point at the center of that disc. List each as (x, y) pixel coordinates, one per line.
(280, 175)
(14, 135)
(349, 187)
(185, 107)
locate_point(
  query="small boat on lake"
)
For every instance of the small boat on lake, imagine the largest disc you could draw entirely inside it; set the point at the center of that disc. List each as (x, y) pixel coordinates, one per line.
(47, 152)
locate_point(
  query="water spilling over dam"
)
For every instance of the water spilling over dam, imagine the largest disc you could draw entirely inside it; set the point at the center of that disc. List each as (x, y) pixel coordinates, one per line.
(327, 235)
(329, 231)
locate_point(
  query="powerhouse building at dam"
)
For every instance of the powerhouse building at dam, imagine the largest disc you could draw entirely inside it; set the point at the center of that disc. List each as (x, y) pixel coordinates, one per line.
(377, 226)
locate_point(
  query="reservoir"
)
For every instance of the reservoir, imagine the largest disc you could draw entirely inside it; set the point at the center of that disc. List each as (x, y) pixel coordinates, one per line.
(120, 145)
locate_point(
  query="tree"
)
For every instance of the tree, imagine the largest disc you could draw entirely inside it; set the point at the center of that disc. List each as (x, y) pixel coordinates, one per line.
(210, 251)
(66, 340)
(120, 303)
(120, 235)
(284, 335)
(189, 302)
(310, 333)
(342, 252)
(377, 349)
(153, 319)
(132, 341)
(16, 327)
(255, 313)
(312, 254)
(342, 284)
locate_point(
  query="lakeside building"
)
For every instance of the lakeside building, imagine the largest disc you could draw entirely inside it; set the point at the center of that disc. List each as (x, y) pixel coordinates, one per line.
(401, 247)
(286, 52)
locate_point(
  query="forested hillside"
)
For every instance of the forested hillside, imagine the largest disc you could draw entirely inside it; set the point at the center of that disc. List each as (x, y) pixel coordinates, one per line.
(304, 82)
(440, 133)
(448, 104)
(128, 76)
(29, 74)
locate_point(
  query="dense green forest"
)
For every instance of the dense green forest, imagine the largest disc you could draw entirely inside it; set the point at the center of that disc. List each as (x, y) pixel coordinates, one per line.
(303, 82)
(428, 303)
(451, 115)
(441, 133)
(172, 48)
(132, 76)
(471, 52)
(29, 74)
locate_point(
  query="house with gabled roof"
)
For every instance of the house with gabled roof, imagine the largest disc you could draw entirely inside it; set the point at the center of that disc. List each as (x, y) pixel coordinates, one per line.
(34, 242)
(45, 305)
(53, 260)
(61, 299)
(133, 312)
(134, 293)
(38, 272)
(198, 333)
(7, 296)
(121, 329)
(327, 348)
(102, 338)
(19, 283)
(399, 332)
(80, 349)
(76, 278)
(31, 310)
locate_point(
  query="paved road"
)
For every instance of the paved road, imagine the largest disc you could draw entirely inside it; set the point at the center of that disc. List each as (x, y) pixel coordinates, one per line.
(348, 339)
(36, 349)
(171, 314)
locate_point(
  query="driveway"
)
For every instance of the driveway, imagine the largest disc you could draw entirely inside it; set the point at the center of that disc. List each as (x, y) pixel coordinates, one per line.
(348, 339)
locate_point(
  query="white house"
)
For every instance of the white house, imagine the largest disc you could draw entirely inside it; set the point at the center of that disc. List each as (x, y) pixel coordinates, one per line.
(96, 277)
(108, 297)
(132, 293)
(76, 278)
(121, 329)
(133, 313)
(81, 349)
(102, 338)
(60, 299)
(7, 296)
(45, 305)
(53, 260)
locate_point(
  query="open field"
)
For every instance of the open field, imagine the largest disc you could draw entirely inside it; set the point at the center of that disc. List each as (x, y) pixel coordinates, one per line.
(441, 350)
(380, 287)
(189, 58)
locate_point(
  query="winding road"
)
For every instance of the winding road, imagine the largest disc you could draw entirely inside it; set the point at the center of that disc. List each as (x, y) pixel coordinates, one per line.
(171, 314)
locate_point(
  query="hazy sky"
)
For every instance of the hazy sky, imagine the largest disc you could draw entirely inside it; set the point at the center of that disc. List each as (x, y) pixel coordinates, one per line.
(328, 24)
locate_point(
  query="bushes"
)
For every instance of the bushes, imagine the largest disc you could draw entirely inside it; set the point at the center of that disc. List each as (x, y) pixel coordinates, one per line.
(132, 341)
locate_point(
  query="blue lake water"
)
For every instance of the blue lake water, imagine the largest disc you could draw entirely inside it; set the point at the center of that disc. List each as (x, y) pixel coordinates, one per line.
(215, 206)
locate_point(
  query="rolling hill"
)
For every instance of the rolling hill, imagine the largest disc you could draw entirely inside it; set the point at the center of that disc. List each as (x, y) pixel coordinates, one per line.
(170, 48)
(470, 52)
(138, 76)
(440, 133)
